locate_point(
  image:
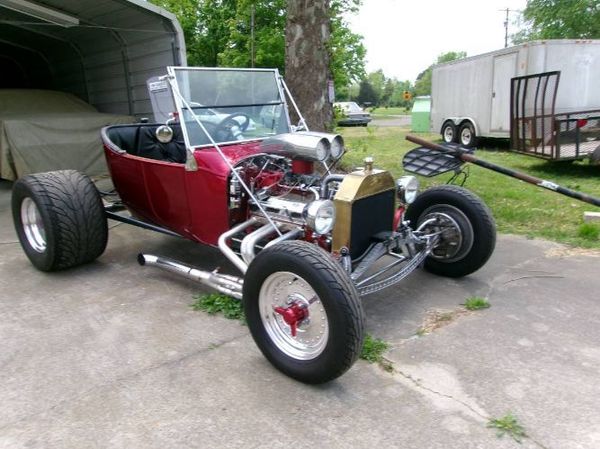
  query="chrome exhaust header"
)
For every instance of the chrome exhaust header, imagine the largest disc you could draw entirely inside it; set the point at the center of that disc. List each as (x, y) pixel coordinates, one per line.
(223, 283)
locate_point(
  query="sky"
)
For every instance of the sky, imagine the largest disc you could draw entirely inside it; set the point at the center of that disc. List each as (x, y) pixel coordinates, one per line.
(404, 37)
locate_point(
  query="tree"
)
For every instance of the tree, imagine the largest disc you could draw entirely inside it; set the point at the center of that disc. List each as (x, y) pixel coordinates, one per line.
(218, 33)
(346, 48)
(205, 25)
(560, 19)
(423, 82)
(269, 35)
(367, 94)
(307, 60)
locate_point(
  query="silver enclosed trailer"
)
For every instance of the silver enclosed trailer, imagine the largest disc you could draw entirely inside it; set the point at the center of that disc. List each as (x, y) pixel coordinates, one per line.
(473, 98)
(70, 67)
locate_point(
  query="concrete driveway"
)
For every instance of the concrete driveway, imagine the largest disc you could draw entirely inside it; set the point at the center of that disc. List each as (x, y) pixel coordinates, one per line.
(110, 355)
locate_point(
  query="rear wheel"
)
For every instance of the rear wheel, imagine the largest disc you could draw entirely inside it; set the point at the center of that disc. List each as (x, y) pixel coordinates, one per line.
(303, 311)
(449, 133)
(467, 136)
(467, 232)
(59, 219)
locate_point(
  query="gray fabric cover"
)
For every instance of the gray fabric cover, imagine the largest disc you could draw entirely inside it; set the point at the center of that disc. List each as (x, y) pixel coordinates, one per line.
(44, 130)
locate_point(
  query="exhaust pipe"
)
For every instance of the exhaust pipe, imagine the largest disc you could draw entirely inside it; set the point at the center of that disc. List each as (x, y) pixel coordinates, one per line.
(224, 283)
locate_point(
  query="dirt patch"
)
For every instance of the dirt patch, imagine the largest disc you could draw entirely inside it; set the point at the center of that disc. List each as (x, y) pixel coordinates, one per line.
(436, 318)
(563, 252)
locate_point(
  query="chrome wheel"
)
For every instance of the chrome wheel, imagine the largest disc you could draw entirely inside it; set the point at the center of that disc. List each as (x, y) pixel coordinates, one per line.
(448, 134)
(466, 136)
(33, 225)
(454, 229)
(293, 315)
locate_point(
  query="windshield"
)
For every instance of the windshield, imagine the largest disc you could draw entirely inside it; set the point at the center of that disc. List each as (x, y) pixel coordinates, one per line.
(233, 105)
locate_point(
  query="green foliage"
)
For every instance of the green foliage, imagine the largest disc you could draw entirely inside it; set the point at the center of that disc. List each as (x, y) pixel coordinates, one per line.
(508, 425)
(218, 33)
(589, 231)
(476, 303)
(378, 90)
(346, 48)
(560, 19)
(367, 94)
(373, 349)
(218, 303)
(423, 82)
(269, 35)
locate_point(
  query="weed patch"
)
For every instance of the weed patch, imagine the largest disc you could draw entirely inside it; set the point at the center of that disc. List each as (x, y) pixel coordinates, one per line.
(589, 231)
(218, 303)
(476, 303)
(372, 351)
(508, 425)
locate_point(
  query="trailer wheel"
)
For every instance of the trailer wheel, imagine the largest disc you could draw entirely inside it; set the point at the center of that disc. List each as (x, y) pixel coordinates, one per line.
(59, 219)
(303, 311)
(466, 227)
(467, 136)
(449, 133)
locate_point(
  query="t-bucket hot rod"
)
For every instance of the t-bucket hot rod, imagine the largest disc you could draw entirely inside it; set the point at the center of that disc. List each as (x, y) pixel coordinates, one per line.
(228, 169)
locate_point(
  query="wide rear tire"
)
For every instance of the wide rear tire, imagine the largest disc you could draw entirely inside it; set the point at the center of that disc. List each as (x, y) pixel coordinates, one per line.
(59, 219)
(469, 231)
(300, 278)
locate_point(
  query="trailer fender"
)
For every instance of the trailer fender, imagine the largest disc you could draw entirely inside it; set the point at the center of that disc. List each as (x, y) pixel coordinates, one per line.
(463, 120)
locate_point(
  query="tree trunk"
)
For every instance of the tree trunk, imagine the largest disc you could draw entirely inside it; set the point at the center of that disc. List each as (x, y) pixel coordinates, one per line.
(307, 70)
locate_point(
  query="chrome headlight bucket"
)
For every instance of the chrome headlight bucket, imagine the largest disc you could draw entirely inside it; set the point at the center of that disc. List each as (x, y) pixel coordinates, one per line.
(320, 216)
(407, 189)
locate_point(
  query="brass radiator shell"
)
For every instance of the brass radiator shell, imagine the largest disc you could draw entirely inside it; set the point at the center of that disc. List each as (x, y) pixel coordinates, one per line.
(356, 186)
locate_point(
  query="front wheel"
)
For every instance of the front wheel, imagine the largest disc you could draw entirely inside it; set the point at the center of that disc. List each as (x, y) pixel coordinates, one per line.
(303, 312)
(466, 229)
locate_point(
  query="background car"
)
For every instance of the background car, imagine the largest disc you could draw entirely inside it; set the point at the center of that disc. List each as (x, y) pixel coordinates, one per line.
(353, 114)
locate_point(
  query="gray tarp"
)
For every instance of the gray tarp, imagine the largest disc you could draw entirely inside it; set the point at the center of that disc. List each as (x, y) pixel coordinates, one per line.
(47, 130)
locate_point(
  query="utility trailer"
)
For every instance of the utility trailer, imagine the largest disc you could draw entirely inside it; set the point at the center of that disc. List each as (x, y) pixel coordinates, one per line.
(544, 95)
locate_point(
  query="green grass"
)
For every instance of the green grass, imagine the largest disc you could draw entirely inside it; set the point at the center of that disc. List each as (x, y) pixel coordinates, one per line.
(589, 231)
(518, 207)
(476, 303)
(508, 425)
(218, 303)
(387, 113)
(372, 351)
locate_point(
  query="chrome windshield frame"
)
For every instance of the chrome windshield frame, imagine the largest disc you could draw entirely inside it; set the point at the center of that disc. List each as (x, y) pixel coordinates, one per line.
(172, 70)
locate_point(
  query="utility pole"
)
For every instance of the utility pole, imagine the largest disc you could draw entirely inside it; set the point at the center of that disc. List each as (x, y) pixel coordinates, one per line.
(252, 36)
(506, 29)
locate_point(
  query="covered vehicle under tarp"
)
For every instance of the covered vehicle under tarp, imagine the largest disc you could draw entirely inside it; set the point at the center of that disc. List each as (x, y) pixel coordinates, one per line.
(43, 130)
(70, 67)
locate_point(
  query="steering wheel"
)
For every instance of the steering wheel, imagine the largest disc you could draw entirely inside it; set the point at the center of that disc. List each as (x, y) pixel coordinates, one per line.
(228, 124)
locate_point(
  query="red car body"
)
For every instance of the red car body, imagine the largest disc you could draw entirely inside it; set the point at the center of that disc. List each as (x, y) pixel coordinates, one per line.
(190, 203)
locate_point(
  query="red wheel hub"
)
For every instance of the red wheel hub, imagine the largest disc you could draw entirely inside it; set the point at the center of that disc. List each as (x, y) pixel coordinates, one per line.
(292, 315)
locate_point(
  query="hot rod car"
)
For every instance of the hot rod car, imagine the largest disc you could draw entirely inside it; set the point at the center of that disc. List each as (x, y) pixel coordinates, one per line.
(308, 241)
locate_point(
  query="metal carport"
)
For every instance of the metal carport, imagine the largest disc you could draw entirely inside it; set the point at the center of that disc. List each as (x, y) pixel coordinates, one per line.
(103, 51)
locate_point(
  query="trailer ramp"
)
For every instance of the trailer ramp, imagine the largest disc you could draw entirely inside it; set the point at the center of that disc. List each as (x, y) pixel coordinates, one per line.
(537, 130)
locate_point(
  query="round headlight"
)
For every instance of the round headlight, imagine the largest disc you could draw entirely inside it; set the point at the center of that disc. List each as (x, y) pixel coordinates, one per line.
(320, 216)
(407, 189)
